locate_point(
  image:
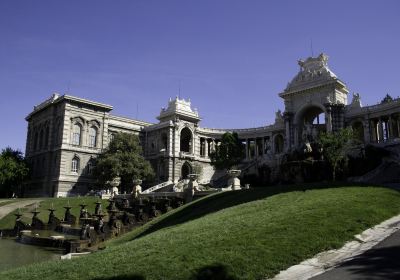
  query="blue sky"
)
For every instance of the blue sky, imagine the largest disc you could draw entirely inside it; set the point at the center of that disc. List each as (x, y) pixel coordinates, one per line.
(231, 58)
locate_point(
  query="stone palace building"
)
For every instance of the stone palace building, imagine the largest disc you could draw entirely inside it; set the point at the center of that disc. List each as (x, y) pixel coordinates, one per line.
(66, 133)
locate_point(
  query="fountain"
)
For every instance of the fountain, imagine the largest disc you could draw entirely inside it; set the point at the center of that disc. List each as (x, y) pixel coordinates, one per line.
(68, 217)
(98, 209)
(36, 222)
(53, 221)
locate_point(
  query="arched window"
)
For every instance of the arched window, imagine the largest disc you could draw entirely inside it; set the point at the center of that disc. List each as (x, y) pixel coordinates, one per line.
(76, 134)
(90, 167)
(186, 140)
(75, 165)
(186, 170)
(92, 136)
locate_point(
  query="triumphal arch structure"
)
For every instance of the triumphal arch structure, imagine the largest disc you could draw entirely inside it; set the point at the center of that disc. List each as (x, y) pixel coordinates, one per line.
(314, 100)
(66, 133)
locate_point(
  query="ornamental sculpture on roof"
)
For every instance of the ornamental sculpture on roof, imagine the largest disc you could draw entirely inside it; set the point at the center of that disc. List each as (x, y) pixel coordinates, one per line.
(312, 69)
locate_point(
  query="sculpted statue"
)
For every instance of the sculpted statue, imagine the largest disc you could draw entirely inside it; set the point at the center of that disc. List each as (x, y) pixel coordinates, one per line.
(307, 147)
(309, 133)
(278, 116)
(356, 101)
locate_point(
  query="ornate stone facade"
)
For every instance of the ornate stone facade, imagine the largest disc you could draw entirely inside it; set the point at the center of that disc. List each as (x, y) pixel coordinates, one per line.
(66, 133)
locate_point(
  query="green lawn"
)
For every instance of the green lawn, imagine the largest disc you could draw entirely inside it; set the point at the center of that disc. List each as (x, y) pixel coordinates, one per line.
(56, 203)
(249, 234)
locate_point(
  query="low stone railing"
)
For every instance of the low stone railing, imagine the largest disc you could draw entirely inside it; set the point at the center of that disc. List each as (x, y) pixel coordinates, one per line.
(157, 187)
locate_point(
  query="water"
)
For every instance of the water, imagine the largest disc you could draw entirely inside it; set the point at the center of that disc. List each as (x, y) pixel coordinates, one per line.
(14, 254)
(48, 233)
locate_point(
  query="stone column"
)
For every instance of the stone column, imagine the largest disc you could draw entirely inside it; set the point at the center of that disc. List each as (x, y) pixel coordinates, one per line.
(398, 126)
(205, 147)
(380, 130)
(287, 128)
(263, 145)
(390, 128)
(366, 135)
(255, 148)
(247, 149)
(328, 118)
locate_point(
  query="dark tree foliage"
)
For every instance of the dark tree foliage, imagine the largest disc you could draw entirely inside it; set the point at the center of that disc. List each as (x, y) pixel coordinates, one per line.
(13, 171)
(228, 153)
(123, 158)
(387, 99)
(335, 147)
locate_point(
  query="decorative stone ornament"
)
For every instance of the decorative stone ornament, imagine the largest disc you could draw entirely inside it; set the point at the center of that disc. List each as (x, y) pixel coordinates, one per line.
(234, 181)
(137, 189)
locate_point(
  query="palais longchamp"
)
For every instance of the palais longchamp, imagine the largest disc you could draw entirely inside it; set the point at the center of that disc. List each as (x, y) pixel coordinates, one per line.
(66, 133)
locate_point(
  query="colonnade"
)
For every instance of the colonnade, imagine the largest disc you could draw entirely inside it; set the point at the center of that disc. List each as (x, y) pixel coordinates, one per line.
(384, 128)
(254, 147)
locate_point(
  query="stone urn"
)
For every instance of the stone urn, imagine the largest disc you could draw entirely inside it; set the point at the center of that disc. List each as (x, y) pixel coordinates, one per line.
(234, 181)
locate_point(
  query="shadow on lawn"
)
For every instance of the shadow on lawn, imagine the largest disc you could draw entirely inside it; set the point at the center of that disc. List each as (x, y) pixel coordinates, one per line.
(122, 277)
(213, 272)
(224, 200)
(210, 272)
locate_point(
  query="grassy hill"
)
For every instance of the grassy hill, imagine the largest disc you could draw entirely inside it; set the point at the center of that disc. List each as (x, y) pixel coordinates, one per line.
(247, 234)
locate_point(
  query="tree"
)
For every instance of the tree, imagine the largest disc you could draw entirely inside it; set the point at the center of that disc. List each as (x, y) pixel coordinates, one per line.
(123, 158)
(228, 153)
(387, 99)
(335, 146)
(13, 171)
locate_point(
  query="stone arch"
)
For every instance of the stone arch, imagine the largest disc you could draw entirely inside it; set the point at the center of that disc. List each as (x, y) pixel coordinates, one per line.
(186, 140)
(186, 170)
(358, 130)
(278, 143)
(308, 112)
(310, 120)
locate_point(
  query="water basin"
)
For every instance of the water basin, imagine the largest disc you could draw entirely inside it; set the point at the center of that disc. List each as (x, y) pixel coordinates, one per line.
(14, 254)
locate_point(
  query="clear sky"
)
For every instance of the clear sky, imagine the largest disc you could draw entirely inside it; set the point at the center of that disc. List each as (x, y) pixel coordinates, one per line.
(231, 58)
